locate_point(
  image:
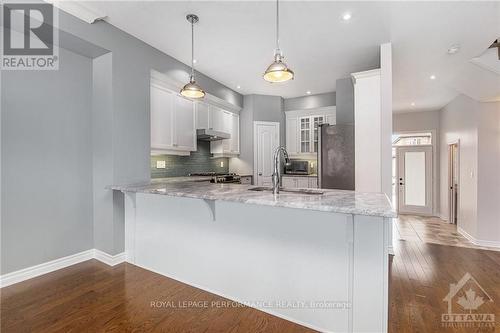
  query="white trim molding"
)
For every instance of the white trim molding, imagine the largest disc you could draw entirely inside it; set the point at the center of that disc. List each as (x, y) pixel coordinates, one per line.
(54, 265)
(361, 75)
(108, 259)
(494, 245)
(78, 9)
(174, 85)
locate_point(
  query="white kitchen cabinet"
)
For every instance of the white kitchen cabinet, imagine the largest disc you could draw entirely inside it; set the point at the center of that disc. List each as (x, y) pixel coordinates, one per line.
(217, 121)
(202, 115)
(299, 182)
(227, 122)
(302, 130)
(235, 134)
(313, 182)
(288, 182)
(162, 115)
(173, 128)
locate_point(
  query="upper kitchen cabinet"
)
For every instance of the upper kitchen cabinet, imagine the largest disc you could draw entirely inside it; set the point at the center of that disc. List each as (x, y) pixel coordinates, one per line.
(202, 115)
(227, 122)
(173, 128)
(302, 130)
(212, 117)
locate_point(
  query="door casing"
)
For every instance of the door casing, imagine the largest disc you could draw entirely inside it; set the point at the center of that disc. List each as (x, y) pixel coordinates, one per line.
(261, 179)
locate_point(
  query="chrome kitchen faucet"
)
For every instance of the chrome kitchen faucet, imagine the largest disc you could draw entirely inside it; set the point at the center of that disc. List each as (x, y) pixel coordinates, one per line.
(277, 167)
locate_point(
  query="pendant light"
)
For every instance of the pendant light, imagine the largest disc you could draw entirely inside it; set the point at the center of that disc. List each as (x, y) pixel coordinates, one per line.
(192, 89)
(278, 71)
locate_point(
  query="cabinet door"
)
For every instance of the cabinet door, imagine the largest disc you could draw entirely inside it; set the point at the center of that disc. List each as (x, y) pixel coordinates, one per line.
(291, 135)
(216, 119)
(185, 132)
(313, 182)
(316, 121)
(289, 182)
(235, 134)
(162, 111)
(202, 115)
(305, 134)
(227, 118)
(302, 182)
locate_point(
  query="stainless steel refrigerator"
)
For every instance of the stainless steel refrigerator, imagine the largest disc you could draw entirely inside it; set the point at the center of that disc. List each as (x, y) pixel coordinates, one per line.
(336, 157)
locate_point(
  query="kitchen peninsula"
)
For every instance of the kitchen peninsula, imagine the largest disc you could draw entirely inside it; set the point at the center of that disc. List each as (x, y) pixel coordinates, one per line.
(319, 258)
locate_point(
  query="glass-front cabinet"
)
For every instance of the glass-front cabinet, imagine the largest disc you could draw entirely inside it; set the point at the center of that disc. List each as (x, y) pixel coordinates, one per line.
(309, 133)
(305, 134)
(302, 130)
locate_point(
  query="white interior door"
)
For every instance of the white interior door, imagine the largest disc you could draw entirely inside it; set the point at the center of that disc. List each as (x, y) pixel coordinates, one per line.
(415, 180)
(266, 140)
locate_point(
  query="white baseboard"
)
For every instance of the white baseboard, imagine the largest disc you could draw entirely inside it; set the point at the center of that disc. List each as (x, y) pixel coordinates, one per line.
(493, 244)
(53, 265)
(109, 259)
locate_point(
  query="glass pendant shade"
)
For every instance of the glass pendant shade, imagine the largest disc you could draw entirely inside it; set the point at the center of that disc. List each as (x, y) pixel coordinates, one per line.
(278, 71)
(192, 90)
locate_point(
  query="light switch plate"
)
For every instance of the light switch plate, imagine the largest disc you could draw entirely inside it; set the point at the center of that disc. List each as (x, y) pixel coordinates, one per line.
(160, 165)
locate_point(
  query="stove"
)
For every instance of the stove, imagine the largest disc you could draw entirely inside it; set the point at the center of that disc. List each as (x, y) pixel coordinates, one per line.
(220, 177)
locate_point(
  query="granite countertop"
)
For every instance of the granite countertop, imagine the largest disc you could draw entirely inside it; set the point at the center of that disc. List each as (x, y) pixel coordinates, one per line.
(292, 175)
(338, 201)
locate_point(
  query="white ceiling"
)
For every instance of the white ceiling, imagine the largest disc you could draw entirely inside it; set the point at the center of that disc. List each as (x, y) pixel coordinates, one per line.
(235, 43)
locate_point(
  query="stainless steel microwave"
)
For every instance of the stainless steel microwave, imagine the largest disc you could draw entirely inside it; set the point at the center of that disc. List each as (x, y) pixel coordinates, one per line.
(298, 167)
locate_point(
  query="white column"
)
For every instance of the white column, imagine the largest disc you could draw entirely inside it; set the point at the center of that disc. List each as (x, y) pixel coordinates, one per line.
(367, 131)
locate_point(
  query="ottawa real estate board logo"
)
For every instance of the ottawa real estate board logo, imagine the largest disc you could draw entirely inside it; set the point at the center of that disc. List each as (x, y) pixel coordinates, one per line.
(29, 37)
(467, 305)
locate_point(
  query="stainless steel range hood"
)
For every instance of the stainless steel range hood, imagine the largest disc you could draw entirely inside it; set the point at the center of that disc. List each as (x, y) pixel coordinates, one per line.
(211, 135)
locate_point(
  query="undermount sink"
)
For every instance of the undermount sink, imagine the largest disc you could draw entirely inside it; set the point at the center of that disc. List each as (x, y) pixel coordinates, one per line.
(288, 190)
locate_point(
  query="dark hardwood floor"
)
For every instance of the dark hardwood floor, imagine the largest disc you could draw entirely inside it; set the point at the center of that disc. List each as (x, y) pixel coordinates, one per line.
(92, 297)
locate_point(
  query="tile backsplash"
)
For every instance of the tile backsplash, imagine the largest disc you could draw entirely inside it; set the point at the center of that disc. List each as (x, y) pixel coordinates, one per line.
(199, 161)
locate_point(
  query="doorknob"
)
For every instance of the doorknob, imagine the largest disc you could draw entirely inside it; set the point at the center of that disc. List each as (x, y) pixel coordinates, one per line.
(260, 173)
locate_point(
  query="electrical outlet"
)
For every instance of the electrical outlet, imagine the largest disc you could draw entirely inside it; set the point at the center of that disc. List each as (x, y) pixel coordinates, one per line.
(221, 164)
(160, 165)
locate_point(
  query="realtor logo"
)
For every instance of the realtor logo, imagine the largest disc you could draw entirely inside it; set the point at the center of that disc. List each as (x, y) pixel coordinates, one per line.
(29, 39)
(469, 296)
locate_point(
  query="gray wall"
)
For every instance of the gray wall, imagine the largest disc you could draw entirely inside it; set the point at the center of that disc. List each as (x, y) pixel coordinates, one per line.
(75, 154)
(256, 108)
(423, 121)
(310, 101)
(345, 101)
(200, 160)
(477, 126)
(46, 163)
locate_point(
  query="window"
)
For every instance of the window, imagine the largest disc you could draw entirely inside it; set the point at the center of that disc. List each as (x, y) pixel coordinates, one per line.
(414, 139)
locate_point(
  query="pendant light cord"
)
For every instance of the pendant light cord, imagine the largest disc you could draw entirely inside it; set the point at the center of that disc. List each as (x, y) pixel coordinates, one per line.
(277, 27)
(192, 50)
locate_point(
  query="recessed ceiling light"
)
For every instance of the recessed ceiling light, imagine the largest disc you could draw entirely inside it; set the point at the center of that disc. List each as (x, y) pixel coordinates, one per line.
(412, 103)
(308, 92)
(432, 77)
(238, 87)
(454, 49)
(346, 16)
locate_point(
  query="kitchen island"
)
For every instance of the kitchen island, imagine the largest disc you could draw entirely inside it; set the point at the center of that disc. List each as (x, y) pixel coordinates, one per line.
(319, 259)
